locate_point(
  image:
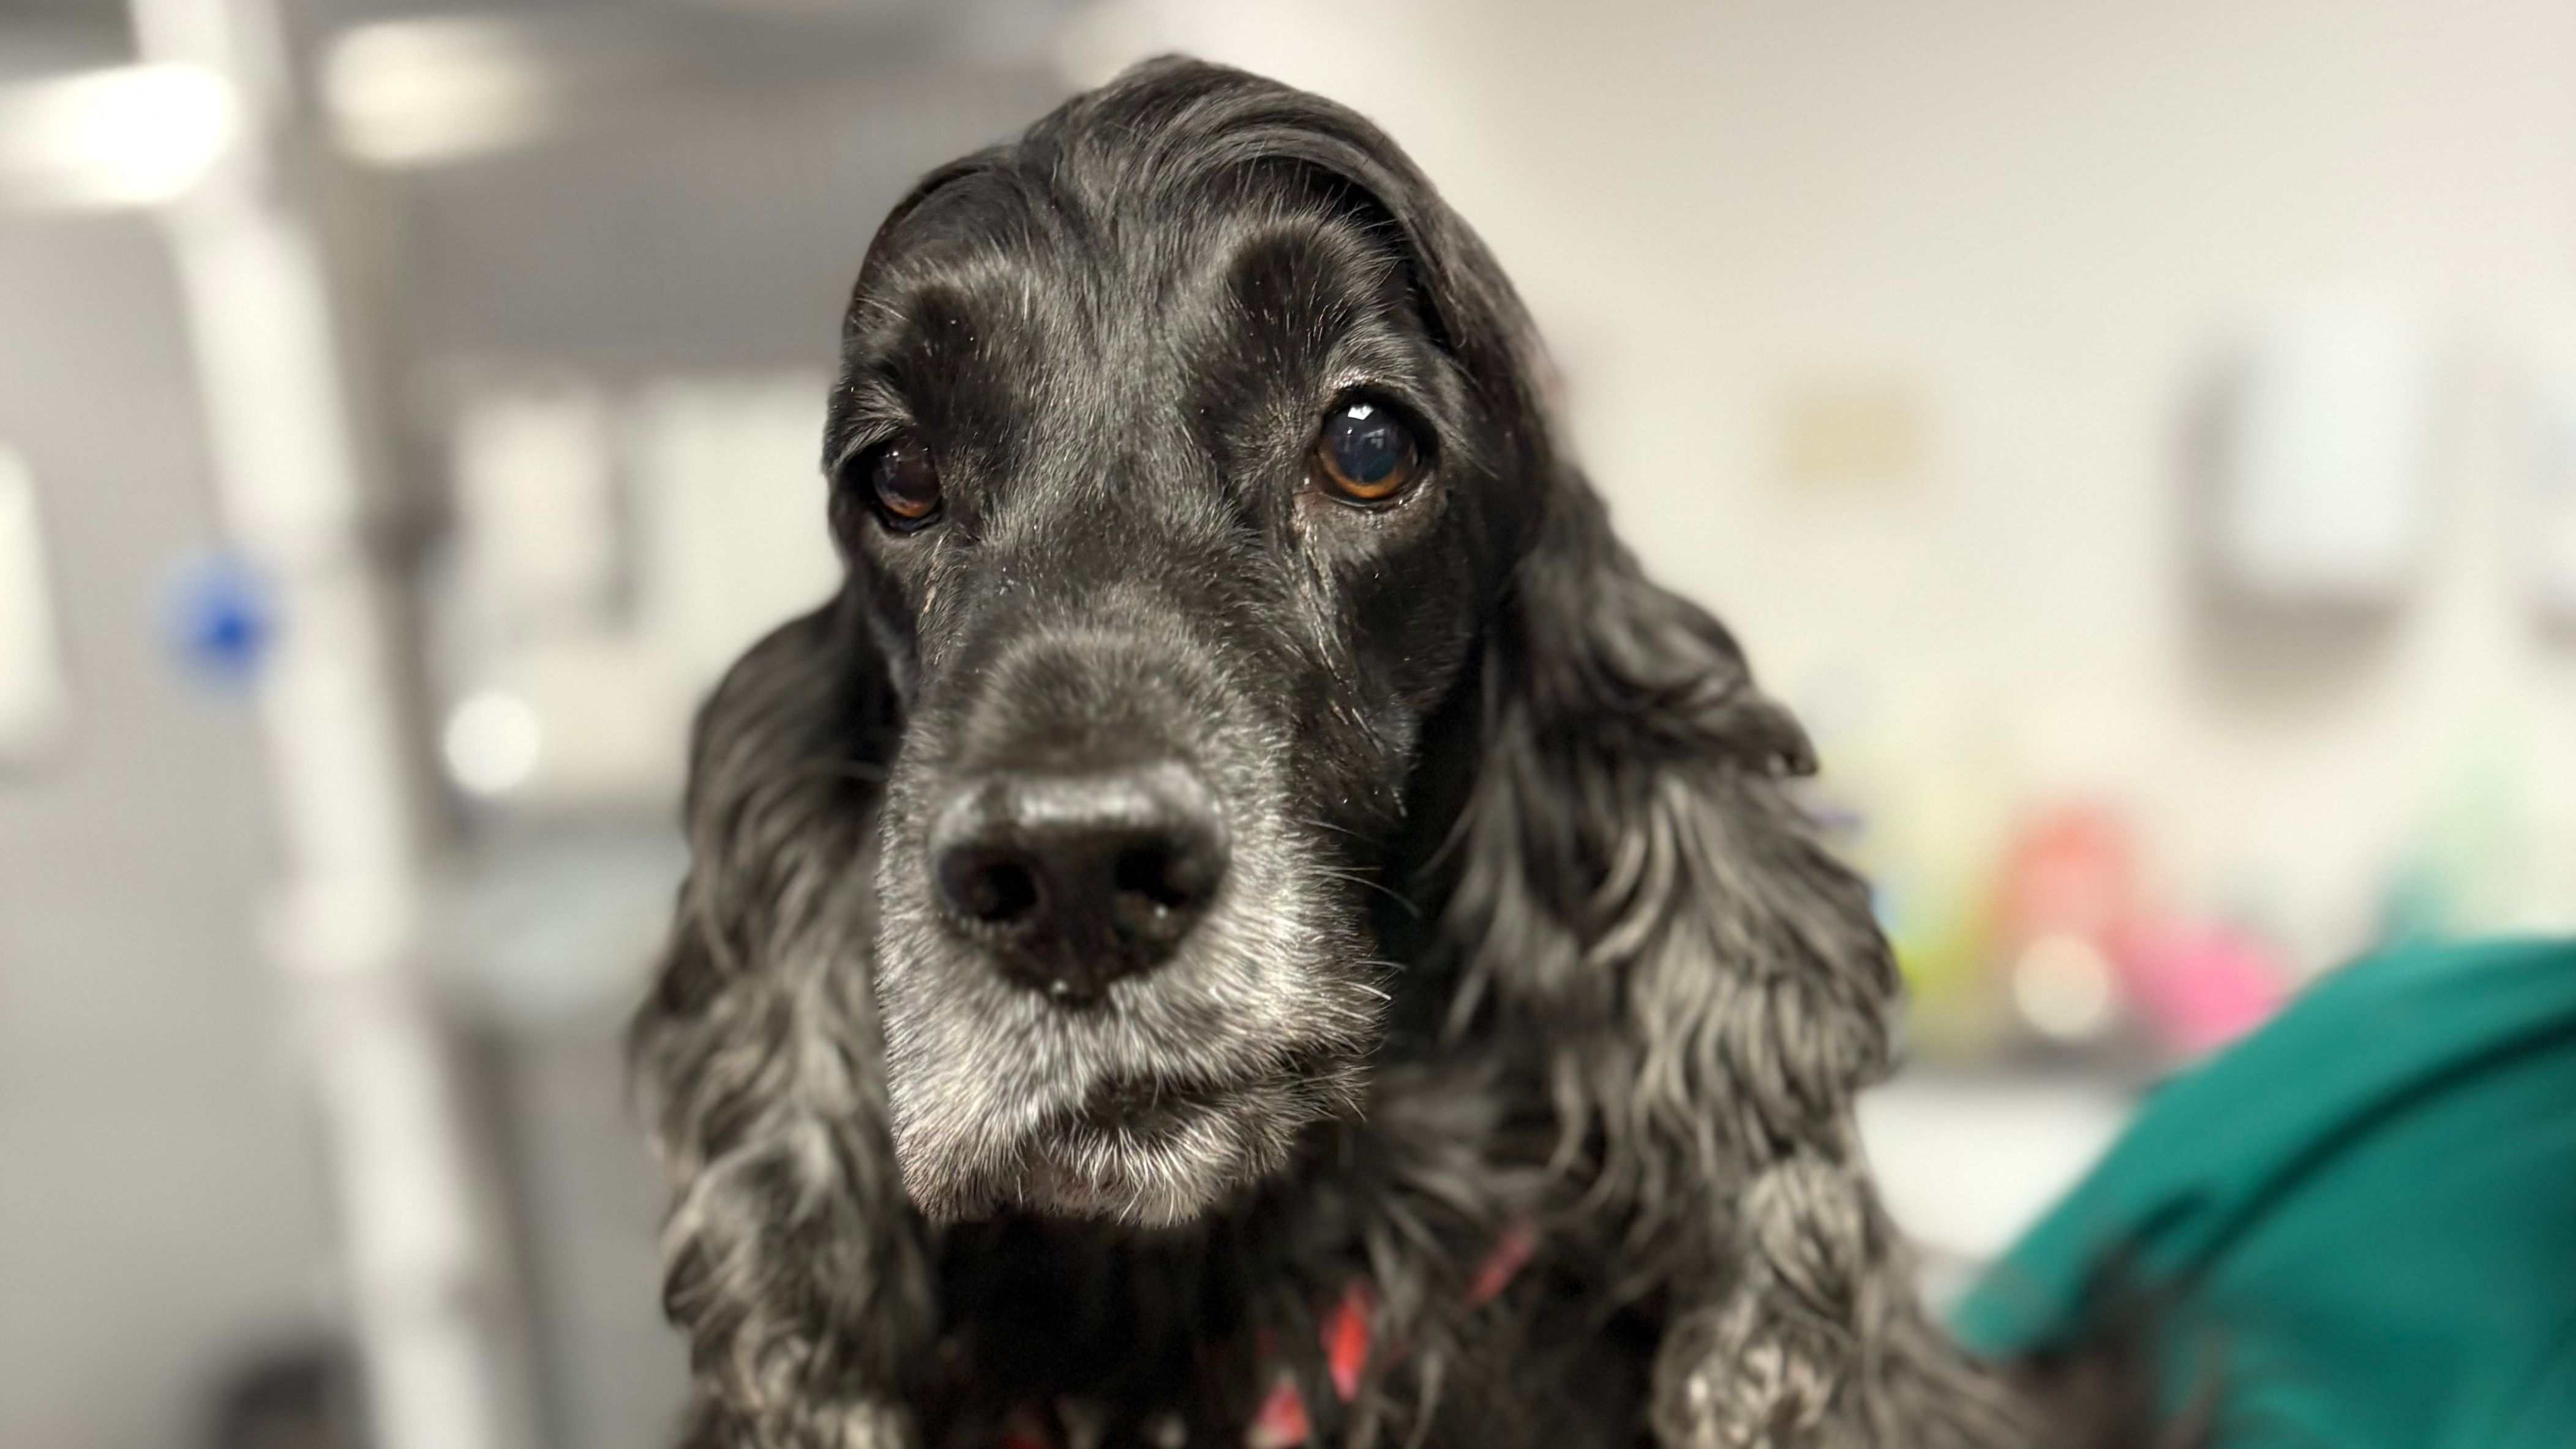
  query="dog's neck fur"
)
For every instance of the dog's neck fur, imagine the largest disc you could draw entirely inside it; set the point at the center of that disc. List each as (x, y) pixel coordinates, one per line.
(1200, 1323)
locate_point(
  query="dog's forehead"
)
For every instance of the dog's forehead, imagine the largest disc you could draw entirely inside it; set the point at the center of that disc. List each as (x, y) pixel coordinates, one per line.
(1005, 262)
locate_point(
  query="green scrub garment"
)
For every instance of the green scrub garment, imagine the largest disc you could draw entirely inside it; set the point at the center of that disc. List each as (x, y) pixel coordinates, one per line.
(2363, 1216)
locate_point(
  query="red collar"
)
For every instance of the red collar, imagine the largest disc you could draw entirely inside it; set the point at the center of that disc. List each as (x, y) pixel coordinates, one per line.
(1348, 1334)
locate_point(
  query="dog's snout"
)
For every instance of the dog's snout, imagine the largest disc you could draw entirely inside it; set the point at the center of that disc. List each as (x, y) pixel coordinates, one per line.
(1075, 880)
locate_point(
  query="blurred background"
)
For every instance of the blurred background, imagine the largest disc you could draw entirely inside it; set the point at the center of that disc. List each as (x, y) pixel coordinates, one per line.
(2140, 439)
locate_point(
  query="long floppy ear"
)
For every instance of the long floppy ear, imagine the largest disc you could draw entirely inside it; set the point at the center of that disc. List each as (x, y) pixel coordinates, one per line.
(1639, 885)
(791, 1256)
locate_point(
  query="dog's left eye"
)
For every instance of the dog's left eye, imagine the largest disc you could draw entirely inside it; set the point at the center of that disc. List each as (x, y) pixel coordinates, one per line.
(1366, 453)
(905, 480)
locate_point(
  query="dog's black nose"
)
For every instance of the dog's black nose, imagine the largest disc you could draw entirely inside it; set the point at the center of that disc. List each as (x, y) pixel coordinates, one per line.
(1075, 880)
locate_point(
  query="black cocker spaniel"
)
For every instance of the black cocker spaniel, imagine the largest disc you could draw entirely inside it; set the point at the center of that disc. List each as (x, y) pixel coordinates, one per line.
(1249, 921)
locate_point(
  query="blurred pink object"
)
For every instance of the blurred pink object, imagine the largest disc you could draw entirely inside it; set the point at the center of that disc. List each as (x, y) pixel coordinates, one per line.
(2200, 988)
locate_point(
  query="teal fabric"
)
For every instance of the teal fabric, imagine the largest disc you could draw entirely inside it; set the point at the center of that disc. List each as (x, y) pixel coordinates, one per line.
(2362, 1218)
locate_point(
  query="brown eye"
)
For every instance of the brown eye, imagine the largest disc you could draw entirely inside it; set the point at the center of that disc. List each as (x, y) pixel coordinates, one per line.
(1366, 453)
(906, 483)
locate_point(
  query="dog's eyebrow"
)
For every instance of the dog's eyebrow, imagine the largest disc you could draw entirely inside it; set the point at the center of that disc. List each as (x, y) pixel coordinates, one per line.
(1310, 276)
(1328, 191)
(1325, 307)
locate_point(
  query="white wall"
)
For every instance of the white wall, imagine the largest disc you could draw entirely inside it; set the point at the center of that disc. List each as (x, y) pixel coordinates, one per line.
(2031, 229)
(161, 1199)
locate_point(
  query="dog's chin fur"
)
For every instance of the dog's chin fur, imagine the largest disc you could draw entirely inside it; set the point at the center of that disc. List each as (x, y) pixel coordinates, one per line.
(1141, 1156)
(1122, 1111)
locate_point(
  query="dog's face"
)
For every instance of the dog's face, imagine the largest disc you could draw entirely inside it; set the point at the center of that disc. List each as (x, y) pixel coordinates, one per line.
(1175, 509)
(1222, 629)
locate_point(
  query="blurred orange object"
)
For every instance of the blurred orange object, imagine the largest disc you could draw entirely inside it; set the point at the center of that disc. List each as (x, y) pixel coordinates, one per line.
(2071, 871)
(2066, 906)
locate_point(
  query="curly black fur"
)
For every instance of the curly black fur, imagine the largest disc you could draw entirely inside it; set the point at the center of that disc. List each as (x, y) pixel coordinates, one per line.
(1526, 924)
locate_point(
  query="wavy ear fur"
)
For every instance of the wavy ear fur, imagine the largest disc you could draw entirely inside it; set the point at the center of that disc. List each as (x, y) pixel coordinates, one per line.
(1638, 877)
(791, 1257)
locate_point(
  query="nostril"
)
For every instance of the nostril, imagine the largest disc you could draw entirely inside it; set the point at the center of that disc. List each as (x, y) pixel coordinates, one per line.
(1154, 873)
(987, 886)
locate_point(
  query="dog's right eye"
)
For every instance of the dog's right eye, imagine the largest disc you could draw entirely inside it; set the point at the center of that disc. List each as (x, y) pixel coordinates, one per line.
(1366, 453)
(906, 482)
